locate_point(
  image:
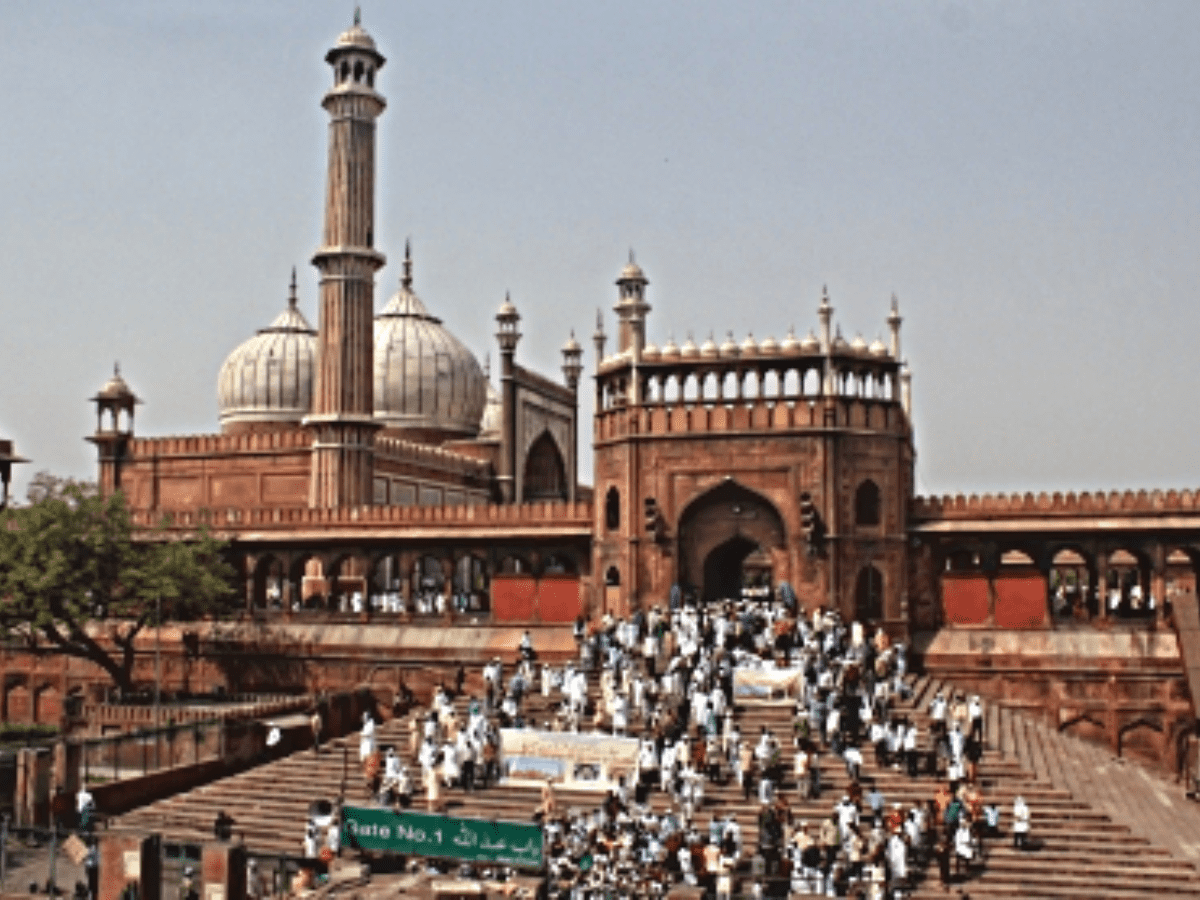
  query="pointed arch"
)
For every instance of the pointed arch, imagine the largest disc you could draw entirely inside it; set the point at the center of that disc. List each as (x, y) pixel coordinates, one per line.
(545, 473)
(728, 512)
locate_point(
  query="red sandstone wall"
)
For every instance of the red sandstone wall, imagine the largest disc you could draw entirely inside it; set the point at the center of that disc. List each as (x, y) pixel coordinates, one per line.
(522, 598)
(1021, 600)
(965, 599)
(559, 599)
(514, 598)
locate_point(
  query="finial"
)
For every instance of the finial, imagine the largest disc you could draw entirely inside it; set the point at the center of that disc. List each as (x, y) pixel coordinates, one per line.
(631, 259)
(487, 366)
(358, 15)
(116, 369)
(895, 303)
(406, 279)
(292, 290)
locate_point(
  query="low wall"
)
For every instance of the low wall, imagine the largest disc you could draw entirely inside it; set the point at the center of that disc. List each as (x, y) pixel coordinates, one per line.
(1124, 687)
(342, 714)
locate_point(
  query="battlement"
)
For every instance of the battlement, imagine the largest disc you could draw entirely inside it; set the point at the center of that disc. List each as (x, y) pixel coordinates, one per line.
(1058, 504)
(703, 417)
(284, 439)
(552, 516)
(399, 450)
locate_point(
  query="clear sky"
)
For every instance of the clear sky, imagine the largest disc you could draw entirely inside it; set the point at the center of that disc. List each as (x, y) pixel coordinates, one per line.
(1025, 176)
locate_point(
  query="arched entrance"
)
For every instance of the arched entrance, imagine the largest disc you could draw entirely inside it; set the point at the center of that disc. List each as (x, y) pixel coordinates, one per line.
(868, 595)
(723, 568)
(718, 531)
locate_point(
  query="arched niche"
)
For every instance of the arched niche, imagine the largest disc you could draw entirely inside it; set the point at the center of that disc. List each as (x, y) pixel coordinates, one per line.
(729, 516)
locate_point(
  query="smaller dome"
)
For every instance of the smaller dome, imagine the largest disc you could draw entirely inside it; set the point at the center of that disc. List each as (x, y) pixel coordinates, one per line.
(670, 350)
(839, 343)
(688, 350)
(749, 348)
(115, 388)
(768, 347)
(709, 349)
(356, 36)
(878, 348)
(651, 352)
(572, 345)
(632, 271)
(858, 345)
(729, 348)
(507, 310)
(790, 344)
(269, 378)
(810, 344)
(493, 413)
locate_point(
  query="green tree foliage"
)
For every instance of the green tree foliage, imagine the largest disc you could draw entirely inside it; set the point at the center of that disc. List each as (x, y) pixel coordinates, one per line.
(77, 577)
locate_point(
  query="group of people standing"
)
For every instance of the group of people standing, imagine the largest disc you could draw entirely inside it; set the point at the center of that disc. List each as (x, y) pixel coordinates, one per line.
(670, 679)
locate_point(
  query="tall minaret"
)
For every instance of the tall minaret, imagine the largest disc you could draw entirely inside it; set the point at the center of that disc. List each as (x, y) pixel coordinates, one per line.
(341, 420)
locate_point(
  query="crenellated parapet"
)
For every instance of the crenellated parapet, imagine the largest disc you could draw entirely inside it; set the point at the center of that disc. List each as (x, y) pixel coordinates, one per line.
(504, 518)
(1058, 504)
(283, 439)
(398, 450)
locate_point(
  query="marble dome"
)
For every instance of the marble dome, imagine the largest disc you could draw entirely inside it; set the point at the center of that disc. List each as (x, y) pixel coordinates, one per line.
(426, 381)
(269, 378)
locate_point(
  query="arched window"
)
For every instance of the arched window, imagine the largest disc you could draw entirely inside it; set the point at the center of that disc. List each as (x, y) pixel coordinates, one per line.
(612, 509)
(868, 595)
(866, 504)
(612, 577)
(545, 474)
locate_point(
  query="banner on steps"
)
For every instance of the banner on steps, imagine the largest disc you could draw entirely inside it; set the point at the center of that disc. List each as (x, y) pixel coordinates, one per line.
(445, 837)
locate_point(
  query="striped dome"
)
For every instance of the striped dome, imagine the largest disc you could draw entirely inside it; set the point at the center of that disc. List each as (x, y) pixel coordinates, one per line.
(426, 381)
(269, 378)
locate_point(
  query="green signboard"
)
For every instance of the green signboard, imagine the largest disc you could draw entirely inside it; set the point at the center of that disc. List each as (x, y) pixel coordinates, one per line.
(424, 834)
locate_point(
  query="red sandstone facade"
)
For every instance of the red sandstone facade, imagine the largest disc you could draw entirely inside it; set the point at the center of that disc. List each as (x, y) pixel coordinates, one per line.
(718, 468)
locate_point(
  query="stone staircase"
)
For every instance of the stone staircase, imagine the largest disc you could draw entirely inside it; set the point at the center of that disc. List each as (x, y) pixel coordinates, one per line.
(1084, 848)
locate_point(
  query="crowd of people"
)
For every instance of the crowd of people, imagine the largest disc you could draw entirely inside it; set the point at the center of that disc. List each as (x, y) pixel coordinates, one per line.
(671, 680)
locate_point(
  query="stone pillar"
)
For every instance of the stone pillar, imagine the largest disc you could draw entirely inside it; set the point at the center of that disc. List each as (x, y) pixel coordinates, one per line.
(127, 858)
(1102, 586)
(223, 871)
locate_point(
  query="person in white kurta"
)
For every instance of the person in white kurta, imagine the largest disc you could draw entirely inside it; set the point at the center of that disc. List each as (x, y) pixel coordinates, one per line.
(1021, 817)
(366, 741)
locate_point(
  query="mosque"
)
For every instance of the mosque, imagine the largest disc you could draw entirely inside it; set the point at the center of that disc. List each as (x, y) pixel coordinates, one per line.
(719, 468)
(367, 470)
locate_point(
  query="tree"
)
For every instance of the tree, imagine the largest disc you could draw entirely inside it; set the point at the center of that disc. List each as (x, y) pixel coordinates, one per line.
(75, 574)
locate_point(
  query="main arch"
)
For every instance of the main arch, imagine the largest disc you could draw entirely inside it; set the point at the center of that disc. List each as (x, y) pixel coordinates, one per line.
(719, 531)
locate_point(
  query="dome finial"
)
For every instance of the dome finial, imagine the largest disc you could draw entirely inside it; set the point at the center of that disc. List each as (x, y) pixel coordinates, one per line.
(292, 290)
(116, 369)
(406, 280)
(632, 261)
(358, 15)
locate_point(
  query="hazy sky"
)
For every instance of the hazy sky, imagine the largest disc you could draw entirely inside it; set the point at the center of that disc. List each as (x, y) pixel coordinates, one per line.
(1024, 176)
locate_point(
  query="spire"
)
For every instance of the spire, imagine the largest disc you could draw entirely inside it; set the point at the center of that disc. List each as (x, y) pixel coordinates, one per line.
(358, 15)
(292, 290)
(632, 261)
(406, 280)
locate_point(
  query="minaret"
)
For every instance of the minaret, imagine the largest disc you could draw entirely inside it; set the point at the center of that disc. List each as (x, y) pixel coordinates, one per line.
(894, 321)
(631, 309)
(342, 412)
(599, 339)
(508, 335)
